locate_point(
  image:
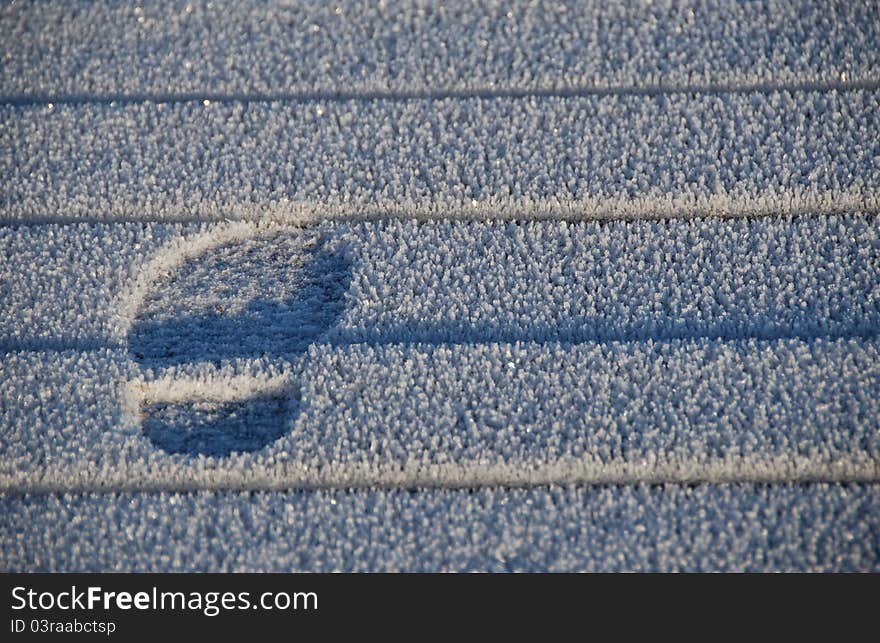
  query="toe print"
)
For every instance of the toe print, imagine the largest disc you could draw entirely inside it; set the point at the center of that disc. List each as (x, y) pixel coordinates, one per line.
(265, 296)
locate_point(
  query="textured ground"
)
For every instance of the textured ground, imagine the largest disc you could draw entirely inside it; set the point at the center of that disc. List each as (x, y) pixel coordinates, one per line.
(519, 286)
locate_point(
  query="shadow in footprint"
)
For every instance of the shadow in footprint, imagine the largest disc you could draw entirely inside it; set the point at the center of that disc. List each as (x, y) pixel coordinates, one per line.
(267, 297)
(219, 429)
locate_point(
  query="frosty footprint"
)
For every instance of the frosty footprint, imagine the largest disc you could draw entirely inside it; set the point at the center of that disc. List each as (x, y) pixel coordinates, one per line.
(262, 300)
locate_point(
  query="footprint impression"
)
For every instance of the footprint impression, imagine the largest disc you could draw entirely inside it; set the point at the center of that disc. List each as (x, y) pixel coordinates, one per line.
(267, 298)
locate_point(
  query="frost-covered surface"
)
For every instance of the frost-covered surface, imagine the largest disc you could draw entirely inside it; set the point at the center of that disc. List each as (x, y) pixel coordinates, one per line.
(658, 528)
(459, 416)
(247, 356)
(405, 282)
(59, 285)
(581, 157)
(382, 286)
(182, 48)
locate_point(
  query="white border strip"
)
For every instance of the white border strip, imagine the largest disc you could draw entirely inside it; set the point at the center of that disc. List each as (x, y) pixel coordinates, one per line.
(646, 208)
(773, 470)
